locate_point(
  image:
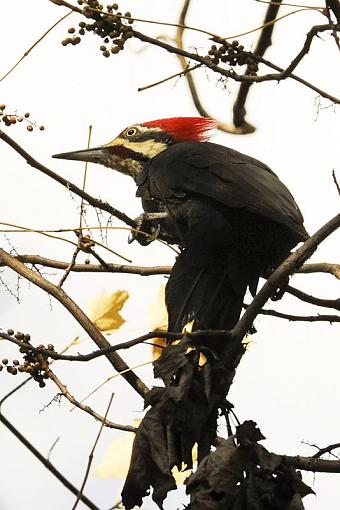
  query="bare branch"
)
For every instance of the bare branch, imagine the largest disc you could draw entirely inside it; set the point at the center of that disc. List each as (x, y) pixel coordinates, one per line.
(313, 464)
(321, 267)
(306, 47)
(65, 392)
(327, 303)
(92, 355)
(69, 267)
(300, 318)
(93, 268)
(326, 449)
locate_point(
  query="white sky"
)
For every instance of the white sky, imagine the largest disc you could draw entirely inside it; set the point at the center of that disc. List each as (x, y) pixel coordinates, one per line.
(289, 380)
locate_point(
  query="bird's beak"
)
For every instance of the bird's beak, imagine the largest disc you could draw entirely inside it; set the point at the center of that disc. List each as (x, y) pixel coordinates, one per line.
(96, 155)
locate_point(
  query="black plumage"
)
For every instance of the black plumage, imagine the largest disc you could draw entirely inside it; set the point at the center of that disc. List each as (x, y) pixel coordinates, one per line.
(234, 219)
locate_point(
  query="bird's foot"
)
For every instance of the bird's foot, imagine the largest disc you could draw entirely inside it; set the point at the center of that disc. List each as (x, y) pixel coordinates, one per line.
(145, 232)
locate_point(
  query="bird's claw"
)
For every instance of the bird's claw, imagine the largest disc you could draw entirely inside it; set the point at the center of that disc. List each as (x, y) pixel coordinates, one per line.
(144, 233)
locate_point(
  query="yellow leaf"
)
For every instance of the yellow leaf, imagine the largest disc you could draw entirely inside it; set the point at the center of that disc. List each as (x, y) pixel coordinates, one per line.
(104, 310)
(158, 319)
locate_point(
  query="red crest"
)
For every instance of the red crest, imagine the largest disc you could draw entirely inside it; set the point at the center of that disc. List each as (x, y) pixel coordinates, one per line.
(185, 129)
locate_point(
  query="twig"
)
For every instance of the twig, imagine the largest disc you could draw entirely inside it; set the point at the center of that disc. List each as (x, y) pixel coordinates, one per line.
(327, 303)
(305, 49)
(91, 329)
(336, 181)
(184, 72)
(87, 472)
(326, 449)
(69, 267)
(300, 318)
(65, 392)
(92, 355)
(84, 182)
(34, 45)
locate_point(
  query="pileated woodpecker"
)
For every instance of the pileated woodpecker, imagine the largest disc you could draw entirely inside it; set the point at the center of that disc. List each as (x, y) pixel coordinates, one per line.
(233, 217)
(234, 221)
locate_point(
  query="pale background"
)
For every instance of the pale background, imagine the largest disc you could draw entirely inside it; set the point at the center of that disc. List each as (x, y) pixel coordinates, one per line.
(289, 380)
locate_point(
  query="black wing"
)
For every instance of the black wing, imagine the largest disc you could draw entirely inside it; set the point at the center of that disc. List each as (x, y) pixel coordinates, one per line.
(223, 175)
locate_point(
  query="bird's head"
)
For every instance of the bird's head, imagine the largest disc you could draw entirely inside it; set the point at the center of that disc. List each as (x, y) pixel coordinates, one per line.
(139, 143)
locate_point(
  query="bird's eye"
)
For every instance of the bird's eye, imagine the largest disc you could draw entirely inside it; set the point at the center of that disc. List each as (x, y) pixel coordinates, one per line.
(131, 131)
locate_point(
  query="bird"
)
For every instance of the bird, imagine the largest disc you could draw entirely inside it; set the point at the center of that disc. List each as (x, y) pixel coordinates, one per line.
(232, 218)
(233, 221)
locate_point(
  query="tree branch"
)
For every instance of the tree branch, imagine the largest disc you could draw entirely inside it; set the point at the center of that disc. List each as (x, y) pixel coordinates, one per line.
(300, 318)
(321, 267)
(93, 268)
(327, 303)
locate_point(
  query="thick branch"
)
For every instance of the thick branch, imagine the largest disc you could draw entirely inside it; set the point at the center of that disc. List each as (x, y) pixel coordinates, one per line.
(116, 361)
(313, 464)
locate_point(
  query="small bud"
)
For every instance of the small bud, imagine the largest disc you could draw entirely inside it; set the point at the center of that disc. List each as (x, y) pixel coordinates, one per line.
(29, 128)
(10, 332)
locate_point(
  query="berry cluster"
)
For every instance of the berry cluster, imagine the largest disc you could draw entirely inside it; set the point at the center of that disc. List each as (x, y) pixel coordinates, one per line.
(233, 54)
(107, 24)
(32, 363)
(12, 118)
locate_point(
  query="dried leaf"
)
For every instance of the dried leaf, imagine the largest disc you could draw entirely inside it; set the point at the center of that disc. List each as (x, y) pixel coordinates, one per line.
(104, 310)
